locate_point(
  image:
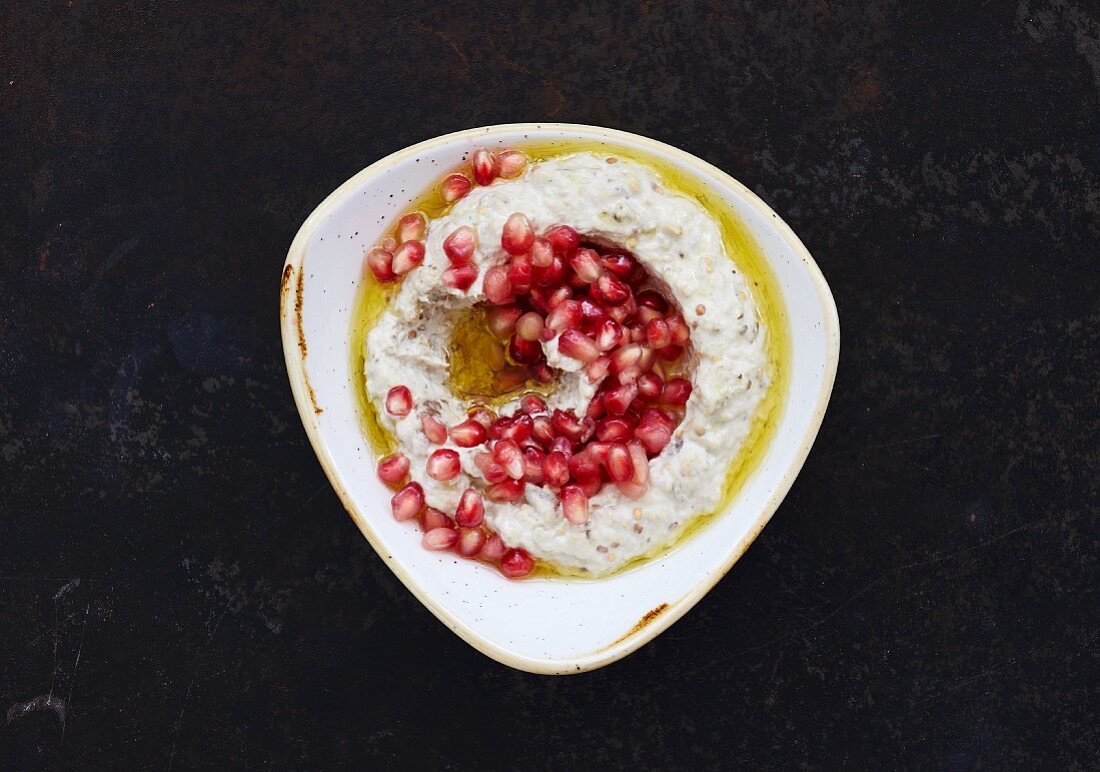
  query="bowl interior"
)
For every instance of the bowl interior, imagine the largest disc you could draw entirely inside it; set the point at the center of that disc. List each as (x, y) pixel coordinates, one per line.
(540, 625)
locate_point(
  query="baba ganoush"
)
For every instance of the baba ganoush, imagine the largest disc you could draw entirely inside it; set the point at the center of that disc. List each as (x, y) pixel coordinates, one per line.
(639, 348)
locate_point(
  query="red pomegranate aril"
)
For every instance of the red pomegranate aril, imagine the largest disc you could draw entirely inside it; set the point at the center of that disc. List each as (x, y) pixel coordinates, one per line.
(484, 165)
(494, 549)
(460, 245)
(399, 401)
(574, 504)
(623, 266)
(517, 235)
(529, 326)
(567, 425)
(516, 563)
(576, 345)
(542, 253)
(597, 370)
(502, 319)
(592, 487)
(646, 358)
(443, 465)
(389, 244)
(468, 434)
(482, 415)
(490, 469)
(646, 315)
(584, 467)
(620, 467)
(657, 333)
(551, 275)
(434, 518)
(454, 187)
(611, 290)
(563, 238)
(586, 264)
(617, 400)
(507, 491)
(614, 429)
(508, 455)
(459, 277)
(496, 286)
(510, 163)
(542, 431)
(394, 468)
(652, 299)
(434, 429)
(653, 431)
(566, 316)
(625, 356)
(532, 404)
(592, 315)
(649, 386)
(471, 510)
(533, 459)
(562, 445)
(555, 468)
(671, 353)
(558, 296)
(409, 255)
(524, 352)
(679, 329)
(408, 502)
(608, 335)
(439, 539)
(380, 263)
(470, 542)
(411, 227)
(518, 429)
(543, 373)
(595, 407)
(521, 274)
(641, 463)
(630, 374)
(676, 392)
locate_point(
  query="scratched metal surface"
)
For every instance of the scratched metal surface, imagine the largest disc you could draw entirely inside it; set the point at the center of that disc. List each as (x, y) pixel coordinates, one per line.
(180, 588)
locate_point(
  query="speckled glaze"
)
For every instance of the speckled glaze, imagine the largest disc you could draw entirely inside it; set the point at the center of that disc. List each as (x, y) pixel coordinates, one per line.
(553, 626)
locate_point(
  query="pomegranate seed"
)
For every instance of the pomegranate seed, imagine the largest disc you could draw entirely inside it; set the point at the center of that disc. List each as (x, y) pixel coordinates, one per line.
(470, 541)
(671, 353)
(617, 400)
(524, 352)
(389, 244)
(586, 263)
(624, 357)
(409, 255)
(454, 187)
(399, 401)
(543, 373)
(649, 386)
(567, 425)
(558, 296)
(517, 235)
(562, 445)
(679, 329)
(584, 467)
(494, 549)
(576, 345)
(471, 510)
(652, 299)
(609, 335)
(646, 315)
(459, 247)
(393, 469)
(623, 266)
(443, 465)
(532, 403)
(676, 392)
(597, 370)
(517, 429)
(496, 285)
(653, 431)
(555, 468)
(592, 487)
(611, 290)
(620, 467)
(511, 163)
(482, 415)
(592, 315)
(508, 455)
(434, 429)
(533, 459)
(566, 316)
(641, 463)
(657, 333)
(502, 319)
(490, 469)
(516, 563)
(433, 518)
(646, 358)
(507, 491)
(574, 504)
(520, 274)
(459, 277)
(468, 434)
(407, 502)
(380, 263)
(485, 166)
(630, 374)
(541, 430)
(542, 253)
(411, 227)
(529, 326)
(563, 238)
(595, 406)
(616, 429)
(439, 539)
(551, 275)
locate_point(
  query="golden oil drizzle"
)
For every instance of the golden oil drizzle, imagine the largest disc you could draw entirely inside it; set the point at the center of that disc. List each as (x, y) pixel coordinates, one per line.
(741, 248)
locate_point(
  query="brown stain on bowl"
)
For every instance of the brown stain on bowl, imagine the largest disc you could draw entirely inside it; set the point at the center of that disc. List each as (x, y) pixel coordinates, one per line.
(642, 623)
(299, 291)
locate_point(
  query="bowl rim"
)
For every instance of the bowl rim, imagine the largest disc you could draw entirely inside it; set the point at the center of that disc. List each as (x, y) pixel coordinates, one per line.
(308, 410)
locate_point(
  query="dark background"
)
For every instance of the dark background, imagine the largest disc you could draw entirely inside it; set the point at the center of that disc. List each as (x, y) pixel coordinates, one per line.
(179, 585)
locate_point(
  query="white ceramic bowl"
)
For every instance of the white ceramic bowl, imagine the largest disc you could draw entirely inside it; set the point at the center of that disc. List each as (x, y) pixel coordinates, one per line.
(538, 625)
